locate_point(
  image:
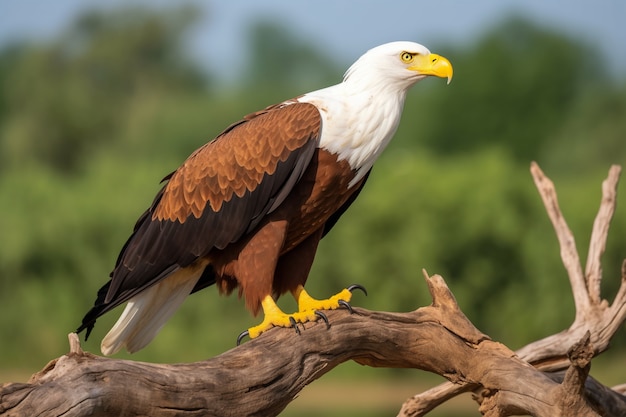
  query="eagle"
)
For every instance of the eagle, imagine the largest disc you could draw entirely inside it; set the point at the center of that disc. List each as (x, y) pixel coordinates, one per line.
(248, 209)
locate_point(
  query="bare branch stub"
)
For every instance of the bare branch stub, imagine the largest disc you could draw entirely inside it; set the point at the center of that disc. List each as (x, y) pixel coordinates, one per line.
(448, 312)
(75, 344)
(600, 233)
(580, 355)
(567, 243)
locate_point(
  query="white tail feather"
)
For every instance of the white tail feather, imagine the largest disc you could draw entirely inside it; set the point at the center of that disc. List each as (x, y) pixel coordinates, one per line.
(148, 311)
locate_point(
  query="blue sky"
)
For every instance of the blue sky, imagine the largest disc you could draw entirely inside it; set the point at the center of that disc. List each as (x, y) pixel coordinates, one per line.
(344, 28)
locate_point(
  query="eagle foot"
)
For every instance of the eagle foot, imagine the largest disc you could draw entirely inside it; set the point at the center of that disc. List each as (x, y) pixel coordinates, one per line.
(309, 309)
(341, 299)
(274, 317)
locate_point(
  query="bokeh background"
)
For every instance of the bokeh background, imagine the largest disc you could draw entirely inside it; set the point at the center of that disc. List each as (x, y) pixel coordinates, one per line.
(99, 102)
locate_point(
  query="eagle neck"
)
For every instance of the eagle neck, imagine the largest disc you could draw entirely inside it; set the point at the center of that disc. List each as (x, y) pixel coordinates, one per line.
(358, 121)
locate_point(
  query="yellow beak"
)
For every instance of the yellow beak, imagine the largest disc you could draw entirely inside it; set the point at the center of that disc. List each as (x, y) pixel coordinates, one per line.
(432, 64)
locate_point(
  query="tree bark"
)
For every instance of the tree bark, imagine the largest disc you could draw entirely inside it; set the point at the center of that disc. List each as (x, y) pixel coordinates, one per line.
(546, 378)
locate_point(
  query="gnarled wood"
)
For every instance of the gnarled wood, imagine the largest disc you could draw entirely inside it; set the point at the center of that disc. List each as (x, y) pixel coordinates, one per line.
(249, 380)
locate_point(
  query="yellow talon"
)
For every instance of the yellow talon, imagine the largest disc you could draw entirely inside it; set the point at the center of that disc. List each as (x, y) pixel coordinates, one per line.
(308, 310)
(275, 317)
(308, 303)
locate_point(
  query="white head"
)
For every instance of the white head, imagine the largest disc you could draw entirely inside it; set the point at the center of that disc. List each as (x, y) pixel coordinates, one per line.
(399, 64)
(361, 114)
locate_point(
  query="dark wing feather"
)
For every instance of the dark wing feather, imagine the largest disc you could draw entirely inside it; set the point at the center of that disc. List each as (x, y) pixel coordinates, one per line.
(221, 192)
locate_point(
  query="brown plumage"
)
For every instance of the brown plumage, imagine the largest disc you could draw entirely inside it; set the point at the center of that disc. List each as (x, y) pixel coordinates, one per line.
(247, 210)
(251, 178)
(278, 256)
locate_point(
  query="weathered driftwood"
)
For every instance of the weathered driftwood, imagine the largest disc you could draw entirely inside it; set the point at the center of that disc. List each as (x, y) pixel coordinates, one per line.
(262, 376)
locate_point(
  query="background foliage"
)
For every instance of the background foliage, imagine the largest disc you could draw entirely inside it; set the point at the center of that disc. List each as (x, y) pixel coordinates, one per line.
(90, 121)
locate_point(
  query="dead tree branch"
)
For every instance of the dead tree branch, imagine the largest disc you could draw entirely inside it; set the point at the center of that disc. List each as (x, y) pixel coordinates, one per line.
(593, 314)
(251, 381)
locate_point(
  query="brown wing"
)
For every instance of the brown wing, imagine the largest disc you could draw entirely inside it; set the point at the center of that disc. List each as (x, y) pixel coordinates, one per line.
(221, 192)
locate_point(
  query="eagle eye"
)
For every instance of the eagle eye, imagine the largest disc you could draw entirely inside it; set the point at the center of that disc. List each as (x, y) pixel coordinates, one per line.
(407, 57)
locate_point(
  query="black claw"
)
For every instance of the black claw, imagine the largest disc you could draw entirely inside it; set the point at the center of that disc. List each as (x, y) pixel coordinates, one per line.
(346, 305)
(323, 317)
(353, 287)
(294, 324)
(241, 336)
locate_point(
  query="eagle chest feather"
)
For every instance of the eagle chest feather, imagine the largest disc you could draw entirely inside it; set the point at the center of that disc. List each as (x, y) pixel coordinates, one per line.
(323, 189)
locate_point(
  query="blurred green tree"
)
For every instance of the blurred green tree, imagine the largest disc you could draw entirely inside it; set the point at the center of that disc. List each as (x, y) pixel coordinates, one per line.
(65, 99)
(593, 133)
(512, 89)
(280, 60)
